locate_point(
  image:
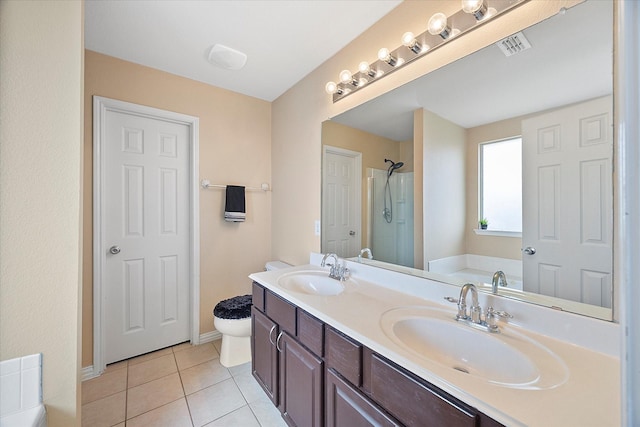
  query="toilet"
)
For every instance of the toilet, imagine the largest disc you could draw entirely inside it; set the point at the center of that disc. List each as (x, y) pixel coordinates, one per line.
(232, 318)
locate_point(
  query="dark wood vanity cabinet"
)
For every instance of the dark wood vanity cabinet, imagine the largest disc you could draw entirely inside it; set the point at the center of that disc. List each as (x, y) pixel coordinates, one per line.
(264, 356)
(318, 376)
(286, 347)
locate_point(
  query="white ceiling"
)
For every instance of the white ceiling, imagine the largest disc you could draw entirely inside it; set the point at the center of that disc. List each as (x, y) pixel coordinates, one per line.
(284, 40)
(570, 60)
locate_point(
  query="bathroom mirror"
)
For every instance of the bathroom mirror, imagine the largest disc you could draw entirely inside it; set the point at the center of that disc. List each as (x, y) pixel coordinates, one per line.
(423, 217)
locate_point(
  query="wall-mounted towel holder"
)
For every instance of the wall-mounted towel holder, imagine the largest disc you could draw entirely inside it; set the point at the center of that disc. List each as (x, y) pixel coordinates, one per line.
(205, 183)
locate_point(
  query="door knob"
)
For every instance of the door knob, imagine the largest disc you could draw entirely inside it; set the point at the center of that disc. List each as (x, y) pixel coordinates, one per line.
(352, 233)
(115, 250)
(529, 250)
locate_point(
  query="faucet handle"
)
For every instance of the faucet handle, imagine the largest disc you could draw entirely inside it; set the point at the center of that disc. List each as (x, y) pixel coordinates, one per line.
(476, 314)
(346, 273)
(491, 317)
(504, 314)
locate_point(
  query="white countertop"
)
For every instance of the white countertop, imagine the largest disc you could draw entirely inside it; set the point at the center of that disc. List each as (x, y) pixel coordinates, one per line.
(589, 394)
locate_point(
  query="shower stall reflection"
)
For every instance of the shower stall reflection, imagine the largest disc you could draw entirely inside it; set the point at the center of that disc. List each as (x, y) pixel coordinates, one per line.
(390, 215)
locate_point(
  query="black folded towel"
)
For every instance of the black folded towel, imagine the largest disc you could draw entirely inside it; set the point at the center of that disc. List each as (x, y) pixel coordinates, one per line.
(234, 208)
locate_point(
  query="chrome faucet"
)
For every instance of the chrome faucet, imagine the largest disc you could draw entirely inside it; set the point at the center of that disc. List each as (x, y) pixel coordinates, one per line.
(476, 311)
(498, 279)
(474, 318)
(362, 252)
(327, 256)
(337, 271)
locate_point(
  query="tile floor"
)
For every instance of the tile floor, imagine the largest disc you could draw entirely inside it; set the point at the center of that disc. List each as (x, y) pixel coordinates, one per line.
(178, 386)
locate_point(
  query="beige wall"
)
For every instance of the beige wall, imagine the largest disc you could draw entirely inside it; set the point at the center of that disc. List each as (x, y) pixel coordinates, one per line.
(299, 113)
(41, 54)
(235, 148)
(444, 211)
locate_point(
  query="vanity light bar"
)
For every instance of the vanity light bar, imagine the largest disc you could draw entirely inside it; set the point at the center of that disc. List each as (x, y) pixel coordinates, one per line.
(441, 29)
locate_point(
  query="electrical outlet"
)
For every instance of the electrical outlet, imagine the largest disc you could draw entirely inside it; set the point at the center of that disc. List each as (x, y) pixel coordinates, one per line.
(317, 227)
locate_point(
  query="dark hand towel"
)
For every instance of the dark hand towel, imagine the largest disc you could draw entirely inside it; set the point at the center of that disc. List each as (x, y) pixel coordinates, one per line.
(234, 208)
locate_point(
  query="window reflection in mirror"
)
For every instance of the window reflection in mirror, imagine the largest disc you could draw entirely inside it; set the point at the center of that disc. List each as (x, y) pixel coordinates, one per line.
(501, 185)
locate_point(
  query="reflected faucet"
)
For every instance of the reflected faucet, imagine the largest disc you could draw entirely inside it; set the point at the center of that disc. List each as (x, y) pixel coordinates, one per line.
(362, 252)
(498, 279)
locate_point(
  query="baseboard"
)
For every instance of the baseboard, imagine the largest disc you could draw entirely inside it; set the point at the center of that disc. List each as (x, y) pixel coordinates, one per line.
(87, 372)
(210, 336)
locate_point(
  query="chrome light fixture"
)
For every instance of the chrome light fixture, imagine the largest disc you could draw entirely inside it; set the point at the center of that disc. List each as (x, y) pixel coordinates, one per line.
(364, 68)
(440, 30)
(409, 40)
(385, 56)
(347, 78)
(478, 8)
(332, 87)
(438, 26)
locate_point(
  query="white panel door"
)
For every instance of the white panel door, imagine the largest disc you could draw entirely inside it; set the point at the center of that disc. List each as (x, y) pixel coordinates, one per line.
(567, 202)
(146, 226)
(341, 201)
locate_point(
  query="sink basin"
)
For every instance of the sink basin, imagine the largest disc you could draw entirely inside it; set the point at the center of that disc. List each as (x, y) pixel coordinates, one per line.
(314, 283)
(507, 359)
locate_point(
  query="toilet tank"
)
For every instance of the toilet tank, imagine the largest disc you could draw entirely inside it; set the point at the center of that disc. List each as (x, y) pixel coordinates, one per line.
(276, 265)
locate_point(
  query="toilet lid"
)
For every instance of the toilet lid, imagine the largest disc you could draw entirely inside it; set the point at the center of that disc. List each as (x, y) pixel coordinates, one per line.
(234, 308)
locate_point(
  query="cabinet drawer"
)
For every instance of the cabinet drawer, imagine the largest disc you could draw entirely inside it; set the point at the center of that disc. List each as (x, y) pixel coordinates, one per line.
(280, 311)
(257, 297)
(344, 355)
(414, 403)
(311, 332)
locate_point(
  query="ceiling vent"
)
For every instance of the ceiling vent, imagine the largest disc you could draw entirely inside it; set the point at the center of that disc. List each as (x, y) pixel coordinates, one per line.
(228, 58)
(513, 44)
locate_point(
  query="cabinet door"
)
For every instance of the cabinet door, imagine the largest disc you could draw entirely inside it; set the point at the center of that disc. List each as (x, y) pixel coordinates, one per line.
(301, 384)
(346, 406)
(264, 356)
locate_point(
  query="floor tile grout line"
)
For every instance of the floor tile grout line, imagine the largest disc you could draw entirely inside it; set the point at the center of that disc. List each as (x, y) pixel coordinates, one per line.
(127, 366)
(126, 397)
(104, 397)
(161, 406)
(184, 392)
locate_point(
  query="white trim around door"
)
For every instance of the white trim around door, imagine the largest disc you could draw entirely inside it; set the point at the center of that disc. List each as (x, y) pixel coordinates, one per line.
(101, 106)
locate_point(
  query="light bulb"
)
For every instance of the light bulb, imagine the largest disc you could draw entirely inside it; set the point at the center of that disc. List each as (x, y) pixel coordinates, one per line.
(345, 76)
(385, 56)
(331, 88)
(409, 40)
(438, 26)
(364, 68)
(478, 8)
